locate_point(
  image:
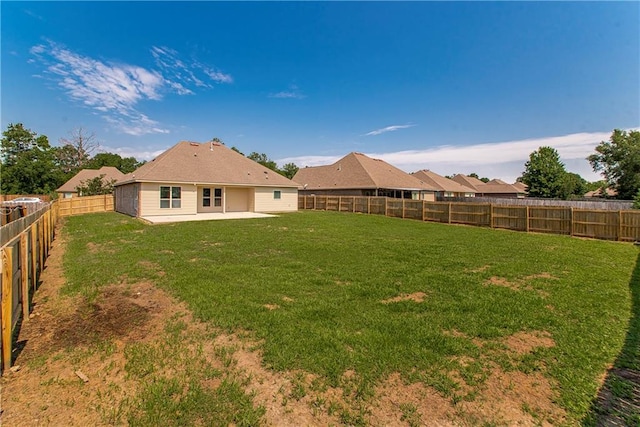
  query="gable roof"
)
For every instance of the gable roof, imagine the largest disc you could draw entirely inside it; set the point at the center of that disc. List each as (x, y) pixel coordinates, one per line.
(495, 186)
(441, 183)
(520, 186)
(468, 181)
(206, 163)
(358, 171)
(109, 172)
(609, 192)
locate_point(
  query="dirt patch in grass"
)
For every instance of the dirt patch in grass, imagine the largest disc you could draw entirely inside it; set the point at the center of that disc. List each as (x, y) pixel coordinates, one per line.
(526, 342)
(479, 269)
(521, 284)
(95, 248)
(505, 398)
(271, 306)
(415, 297)
(501, 281)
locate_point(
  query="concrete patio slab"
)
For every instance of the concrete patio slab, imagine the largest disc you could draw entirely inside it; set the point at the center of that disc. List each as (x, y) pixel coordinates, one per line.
(163, 219)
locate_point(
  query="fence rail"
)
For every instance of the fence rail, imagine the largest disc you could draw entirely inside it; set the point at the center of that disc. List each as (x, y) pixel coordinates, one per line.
(88, 204)
(622, 225)
(23, 251)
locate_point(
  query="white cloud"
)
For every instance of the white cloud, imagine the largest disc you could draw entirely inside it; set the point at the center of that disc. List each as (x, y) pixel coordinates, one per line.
(387, 129)
(132, 152)
(504, 160)
(116, 90)
(293, 93)
(179, 70)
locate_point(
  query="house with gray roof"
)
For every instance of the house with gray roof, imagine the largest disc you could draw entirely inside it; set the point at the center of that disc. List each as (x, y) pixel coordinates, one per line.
(359, 175)
(192, 178)
(445, 187)
(108, 174)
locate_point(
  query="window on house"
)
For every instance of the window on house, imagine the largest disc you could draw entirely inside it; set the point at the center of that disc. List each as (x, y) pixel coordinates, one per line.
(277, 194)
(217, 197)
(206, 197)
(170, 197)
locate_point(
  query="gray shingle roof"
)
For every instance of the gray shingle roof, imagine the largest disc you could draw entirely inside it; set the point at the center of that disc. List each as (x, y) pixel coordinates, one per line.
(206, 163)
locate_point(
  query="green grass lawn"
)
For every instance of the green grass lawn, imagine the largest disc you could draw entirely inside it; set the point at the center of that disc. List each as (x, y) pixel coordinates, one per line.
(329, 273)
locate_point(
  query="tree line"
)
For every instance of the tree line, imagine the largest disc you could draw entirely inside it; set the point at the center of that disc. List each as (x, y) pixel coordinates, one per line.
(618, 160)
(30, 165)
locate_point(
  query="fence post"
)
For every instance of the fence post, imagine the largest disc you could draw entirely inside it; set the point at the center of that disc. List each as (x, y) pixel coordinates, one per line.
(571, 221)
(34, 255)
(40, 223)
(386, 206)
(353, 205)
(368, 205)
(7, 302)
(527, 219)
(402, 208)
(314, 202)
(491, 214)
(449, 213)
(422, 210)
(24, 277)
(620, 225)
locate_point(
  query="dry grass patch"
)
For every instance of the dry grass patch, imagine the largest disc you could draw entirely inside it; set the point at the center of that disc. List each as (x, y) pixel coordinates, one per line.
(415, 297)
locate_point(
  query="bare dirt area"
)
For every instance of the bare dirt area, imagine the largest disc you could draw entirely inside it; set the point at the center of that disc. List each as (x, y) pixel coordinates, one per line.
(87, 362)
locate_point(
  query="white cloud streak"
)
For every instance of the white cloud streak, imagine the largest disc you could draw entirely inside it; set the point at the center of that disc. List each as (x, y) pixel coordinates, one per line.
(293, 93)
(115, 90)
(132, 152)
(504, 160)
(387, 129)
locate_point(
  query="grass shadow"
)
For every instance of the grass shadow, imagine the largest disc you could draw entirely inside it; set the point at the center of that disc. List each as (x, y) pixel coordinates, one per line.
(618, 400)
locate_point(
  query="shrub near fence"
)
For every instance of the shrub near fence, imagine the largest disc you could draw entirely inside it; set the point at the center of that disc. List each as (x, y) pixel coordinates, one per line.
(623, 225)
(25, 247)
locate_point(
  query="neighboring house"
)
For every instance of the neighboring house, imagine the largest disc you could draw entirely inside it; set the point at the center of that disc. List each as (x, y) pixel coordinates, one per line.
(191, 178)
(493, 188)
(445, 187)
(69, 188)
(521, 187)
(359, 175)
(609, 192)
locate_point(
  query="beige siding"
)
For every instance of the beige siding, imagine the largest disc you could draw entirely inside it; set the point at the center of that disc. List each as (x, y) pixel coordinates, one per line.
(238, 199)
(150, 200)
(265, 202)
(429, 197)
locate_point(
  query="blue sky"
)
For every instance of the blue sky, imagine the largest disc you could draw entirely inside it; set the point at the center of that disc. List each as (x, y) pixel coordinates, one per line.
(454, 87)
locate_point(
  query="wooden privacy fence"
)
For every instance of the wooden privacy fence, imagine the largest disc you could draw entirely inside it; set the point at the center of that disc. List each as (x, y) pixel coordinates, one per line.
(24, 249)
(88, 204)
(623, 225)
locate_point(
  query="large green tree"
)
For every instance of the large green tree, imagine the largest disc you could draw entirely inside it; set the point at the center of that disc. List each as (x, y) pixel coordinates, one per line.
(123, 164)
(289, 170)
(572, 184)
(544, 174)
(28, 163)
(264, 160)
(619, 161)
